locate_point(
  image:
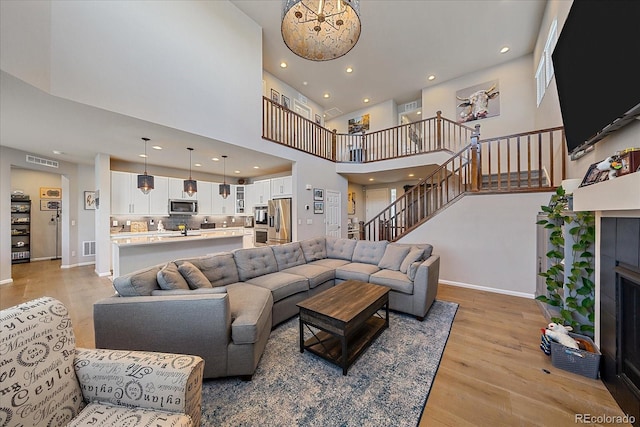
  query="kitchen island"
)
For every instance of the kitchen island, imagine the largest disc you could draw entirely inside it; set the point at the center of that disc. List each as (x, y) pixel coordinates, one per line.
(131, 253)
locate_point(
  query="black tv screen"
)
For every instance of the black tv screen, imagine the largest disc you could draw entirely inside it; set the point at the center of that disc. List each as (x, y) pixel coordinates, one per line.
(596, 68)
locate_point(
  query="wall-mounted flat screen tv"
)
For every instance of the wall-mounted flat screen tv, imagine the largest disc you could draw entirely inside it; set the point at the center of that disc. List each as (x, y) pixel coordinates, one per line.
(596, 69)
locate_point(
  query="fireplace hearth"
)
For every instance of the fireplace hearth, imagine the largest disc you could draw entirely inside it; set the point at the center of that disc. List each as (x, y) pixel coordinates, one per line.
(619, 311)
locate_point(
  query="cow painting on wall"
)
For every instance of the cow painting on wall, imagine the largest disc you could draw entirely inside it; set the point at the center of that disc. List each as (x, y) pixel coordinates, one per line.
(478, 102)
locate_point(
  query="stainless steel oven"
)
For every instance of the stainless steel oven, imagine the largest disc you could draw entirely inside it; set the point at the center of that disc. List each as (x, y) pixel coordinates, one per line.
(260, 236)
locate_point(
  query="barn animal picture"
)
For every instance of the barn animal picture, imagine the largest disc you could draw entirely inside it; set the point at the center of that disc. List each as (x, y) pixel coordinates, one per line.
(478, 102)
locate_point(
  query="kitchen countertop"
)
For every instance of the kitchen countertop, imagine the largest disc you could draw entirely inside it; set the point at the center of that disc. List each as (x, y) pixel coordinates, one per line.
(131, 239)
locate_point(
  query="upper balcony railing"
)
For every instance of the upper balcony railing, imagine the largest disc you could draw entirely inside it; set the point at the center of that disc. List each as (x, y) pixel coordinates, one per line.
(286, 127)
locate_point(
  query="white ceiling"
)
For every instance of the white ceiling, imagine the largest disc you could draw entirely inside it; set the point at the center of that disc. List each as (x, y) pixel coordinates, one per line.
(402, 42)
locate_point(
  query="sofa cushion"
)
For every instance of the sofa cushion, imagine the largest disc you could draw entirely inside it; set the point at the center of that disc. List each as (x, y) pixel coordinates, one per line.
(394, 279)
(170, 278)
(356, 271)
(315, 274)
(254, 262)
(281, 284)
(220, 269)
(314, 249)
(413, 255)
(250, 312)
(288, 255)
(369, 252)
(199, 291)
(330, 263)
(138, 283)
(194, 277)
(393, 256)
(340, 248)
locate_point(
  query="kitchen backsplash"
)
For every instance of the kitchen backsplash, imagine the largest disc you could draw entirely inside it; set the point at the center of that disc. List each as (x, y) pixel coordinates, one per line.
(171, 223)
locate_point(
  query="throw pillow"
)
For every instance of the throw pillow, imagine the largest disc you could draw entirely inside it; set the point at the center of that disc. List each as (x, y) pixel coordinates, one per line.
(393, 257)
(170, 278)
(414, 255)
(194, 277)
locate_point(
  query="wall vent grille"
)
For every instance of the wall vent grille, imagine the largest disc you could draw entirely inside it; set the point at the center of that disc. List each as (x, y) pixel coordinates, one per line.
(89, 248)
(41, 161)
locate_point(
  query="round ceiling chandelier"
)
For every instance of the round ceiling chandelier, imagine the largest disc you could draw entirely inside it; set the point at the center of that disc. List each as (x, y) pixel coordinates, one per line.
(320, 30)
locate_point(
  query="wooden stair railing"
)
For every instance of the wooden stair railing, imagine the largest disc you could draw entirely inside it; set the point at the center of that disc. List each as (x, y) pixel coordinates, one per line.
(286, 127)
(531, 161)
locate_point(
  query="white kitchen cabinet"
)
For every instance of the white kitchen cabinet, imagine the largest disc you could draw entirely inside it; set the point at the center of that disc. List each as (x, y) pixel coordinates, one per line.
(159, 196)
(223, 206)
(247, 238)
(281, 187)
(262, 192)
(126, 198)
(176, 190)
(240, 199)
(205, 197)
(249, 198)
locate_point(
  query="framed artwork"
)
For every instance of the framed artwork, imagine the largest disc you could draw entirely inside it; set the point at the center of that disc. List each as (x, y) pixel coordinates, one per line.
(359, 124)
(50, 193)
(351, 203)
(275, 96)
(318, 207)
(49, 205)
(594, 175)
(477, 102)
(89, 200)
(318, 119)
(286, 102)
(318, 194)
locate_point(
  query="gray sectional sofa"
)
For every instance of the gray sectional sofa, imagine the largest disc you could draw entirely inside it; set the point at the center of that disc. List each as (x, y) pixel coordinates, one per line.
(222, 306)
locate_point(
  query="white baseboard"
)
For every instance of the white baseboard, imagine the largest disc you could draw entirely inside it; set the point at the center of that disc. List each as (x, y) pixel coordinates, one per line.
(80, 264)
(6, 282)
(105, 274)
(45, 258)
(487, 289)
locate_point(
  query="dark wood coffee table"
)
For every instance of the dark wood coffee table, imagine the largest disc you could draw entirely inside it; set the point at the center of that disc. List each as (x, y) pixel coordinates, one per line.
(345, 321)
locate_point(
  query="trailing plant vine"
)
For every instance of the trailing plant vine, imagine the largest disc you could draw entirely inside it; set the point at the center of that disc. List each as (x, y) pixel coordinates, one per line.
(572, 290)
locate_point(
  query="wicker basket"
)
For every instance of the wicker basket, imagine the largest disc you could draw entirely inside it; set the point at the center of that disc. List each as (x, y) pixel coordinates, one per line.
(578, 361)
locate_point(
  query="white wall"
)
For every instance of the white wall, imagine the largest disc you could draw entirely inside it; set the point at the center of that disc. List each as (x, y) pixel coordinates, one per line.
(272, 82)
(486, 242)
(517, 98)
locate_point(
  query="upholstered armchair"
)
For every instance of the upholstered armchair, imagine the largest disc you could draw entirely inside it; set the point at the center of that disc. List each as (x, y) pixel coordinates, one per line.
(46, 381)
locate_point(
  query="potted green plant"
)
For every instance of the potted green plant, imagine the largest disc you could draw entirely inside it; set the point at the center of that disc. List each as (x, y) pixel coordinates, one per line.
(569, 278)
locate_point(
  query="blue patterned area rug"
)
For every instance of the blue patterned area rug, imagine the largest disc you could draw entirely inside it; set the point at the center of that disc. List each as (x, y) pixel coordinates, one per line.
(387, 386)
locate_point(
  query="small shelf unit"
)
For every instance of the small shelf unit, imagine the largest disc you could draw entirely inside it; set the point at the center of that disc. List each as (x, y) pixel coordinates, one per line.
(20, 229)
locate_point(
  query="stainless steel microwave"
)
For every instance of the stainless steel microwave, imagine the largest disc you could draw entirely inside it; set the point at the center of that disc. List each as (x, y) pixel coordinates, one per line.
(183, 207)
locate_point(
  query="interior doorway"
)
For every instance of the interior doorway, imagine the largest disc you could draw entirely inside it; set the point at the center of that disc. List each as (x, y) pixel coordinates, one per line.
(376, 200)
(333, 218)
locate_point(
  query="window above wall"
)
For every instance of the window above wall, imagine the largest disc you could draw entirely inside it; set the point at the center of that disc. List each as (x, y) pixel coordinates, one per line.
(544, 72)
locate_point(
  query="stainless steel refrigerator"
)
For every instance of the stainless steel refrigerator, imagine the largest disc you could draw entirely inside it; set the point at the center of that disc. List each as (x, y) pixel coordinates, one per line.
(279, 221)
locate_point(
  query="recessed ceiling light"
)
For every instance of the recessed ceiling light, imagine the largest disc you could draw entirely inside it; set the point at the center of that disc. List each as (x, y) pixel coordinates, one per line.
(370, 179)
(256, 167)
(197, 165)
(236, 171)
(283, 65)
(142, 155)
(215, 159)
(418, 112)
(366, 100)
(326, 95)
(411, 175)
(431, 77)
(305, 83)
(58, 152)
(157, 147)
(349, 70)
(504, 49)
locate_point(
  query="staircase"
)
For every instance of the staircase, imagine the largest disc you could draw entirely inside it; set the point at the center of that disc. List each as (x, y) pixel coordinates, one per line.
(524, 162)
(527, 162)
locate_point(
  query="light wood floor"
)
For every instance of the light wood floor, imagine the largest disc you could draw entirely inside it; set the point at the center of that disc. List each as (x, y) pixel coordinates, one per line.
(491, 372)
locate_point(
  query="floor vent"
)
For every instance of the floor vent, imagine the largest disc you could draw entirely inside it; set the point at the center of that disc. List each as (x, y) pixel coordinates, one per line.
(89, 248)
(40, 161)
